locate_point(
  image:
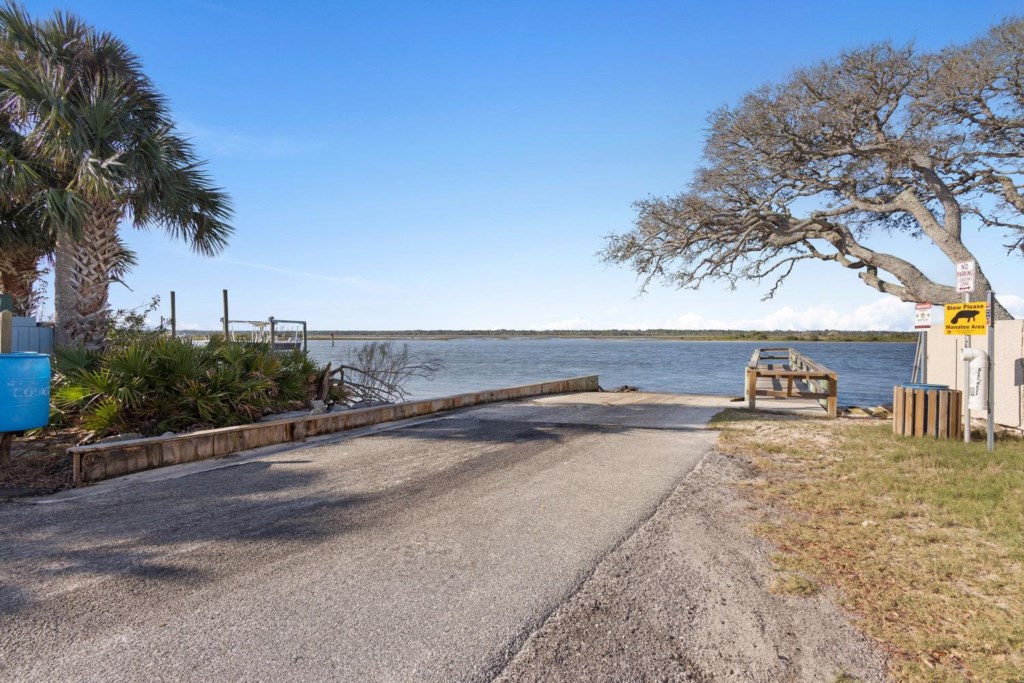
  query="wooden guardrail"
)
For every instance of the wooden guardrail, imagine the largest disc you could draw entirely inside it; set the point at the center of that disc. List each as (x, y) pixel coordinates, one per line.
(787, 373)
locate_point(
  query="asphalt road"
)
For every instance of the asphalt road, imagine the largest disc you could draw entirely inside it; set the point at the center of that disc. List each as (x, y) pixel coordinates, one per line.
(429, 552)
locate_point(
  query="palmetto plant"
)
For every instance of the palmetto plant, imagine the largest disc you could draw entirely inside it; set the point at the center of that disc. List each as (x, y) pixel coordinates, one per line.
(162, 384)
(88, 143)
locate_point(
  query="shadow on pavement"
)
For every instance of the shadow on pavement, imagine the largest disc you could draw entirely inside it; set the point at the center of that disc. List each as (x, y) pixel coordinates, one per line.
(165, 533)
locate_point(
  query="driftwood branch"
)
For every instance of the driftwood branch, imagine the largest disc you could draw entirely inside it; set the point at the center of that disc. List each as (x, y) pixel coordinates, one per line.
(379, 372)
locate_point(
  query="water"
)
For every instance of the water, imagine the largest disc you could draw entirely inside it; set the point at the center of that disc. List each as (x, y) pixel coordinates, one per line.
(867, 371)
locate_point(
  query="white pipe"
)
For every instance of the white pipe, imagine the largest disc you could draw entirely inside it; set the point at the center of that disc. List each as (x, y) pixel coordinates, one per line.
(977, 378)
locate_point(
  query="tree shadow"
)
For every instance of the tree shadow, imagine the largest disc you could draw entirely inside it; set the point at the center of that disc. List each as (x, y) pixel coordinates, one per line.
(196, 530)
(148, 535)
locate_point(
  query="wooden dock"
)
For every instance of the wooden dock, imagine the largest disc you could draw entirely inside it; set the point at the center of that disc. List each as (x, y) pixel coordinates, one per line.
(787, 373)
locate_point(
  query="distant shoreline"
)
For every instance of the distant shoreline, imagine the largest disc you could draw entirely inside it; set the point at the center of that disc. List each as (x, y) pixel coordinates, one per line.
(709, 336)
(773, 336)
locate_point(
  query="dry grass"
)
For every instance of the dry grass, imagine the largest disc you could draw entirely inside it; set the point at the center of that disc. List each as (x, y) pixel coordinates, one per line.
(794, 584)
(924, 540)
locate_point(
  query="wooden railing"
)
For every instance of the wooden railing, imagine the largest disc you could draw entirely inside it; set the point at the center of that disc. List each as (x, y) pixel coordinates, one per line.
(787, 373)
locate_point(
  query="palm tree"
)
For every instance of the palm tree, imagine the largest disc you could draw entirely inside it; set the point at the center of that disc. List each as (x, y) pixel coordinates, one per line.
(25, 238)
(23, 245)
(86, 113)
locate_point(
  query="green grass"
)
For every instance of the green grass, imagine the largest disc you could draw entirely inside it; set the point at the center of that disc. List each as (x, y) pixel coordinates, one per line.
(924, 539)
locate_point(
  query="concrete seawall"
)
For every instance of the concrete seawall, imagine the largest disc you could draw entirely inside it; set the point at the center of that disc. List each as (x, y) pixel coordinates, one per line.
(104, 461)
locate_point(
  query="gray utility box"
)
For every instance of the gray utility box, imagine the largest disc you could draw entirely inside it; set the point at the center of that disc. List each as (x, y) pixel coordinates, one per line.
(31, 336)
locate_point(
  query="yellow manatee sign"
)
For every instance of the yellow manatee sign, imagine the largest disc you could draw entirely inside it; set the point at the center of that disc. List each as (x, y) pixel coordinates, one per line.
(965, 318)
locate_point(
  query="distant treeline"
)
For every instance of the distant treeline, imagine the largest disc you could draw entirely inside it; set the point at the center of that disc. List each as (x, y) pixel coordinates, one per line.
(693, 335)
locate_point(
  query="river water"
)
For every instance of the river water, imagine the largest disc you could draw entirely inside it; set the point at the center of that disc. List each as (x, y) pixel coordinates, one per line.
(867, 371)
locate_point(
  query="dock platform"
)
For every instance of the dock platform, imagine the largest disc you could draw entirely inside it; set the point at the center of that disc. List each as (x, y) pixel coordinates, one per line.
(784, 373)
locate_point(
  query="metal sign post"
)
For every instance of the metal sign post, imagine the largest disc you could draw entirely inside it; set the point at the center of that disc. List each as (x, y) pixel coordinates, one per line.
(922, 323)
(967, 374)
(965, 285)
(990, 296)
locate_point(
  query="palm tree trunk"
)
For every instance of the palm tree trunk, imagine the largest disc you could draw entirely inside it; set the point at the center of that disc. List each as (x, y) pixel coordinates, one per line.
(19, 275)
(82, 280)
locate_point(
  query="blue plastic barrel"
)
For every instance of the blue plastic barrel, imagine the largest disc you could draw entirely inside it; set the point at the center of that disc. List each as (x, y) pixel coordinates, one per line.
(24, 391)
(926, 387)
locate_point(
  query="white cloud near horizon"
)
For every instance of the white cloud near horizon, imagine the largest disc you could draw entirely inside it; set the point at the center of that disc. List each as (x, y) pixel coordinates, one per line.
(1013, 303)
(568, 324)
(886, 313)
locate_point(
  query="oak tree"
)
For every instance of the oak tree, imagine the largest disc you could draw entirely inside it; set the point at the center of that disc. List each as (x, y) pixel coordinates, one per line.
(823, 166)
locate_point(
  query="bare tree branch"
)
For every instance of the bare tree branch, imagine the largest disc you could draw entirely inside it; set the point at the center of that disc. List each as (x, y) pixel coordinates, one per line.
(880, 138)
(378, 372)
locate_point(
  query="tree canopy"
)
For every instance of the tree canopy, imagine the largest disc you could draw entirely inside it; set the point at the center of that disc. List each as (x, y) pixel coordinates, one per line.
(882, 139)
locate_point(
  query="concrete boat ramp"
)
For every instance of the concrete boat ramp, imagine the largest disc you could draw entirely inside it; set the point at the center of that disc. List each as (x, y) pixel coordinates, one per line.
(429, 550)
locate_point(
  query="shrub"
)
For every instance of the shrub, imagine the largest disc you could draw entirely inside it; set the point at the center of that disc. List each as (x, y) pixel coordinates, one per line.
(128, 326)
(160, 384)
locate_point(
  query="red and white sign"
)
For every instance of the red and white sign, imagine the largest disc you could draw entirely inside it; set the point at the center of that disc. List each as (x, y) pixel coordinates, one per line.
(965, 276)
(922, 316)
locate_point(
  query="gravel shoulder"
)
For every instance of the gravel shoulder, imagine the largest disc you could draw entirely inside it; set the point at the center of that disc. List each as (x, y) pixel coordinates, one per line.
(688, 598)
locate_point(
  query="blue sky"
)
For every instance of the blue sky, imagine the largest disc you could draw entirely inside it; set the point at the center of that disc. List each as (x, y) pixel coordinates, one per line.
(426, 165)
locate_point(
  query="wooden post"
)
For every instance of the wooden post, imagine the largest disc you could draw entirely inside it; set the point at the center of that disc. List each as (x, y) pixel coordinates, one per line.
(305, 345)
(225, 315)
(6, 331)
(273, 332)
(751, 388)
(897, 410)
(174, 317)
(5, 448)
(833, 391)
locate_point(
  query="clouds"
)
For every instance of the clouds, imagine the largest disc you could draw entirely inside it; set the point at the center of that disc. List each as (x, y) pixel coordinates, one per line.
(1014, 304)
(886, 313)
(568, 324)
